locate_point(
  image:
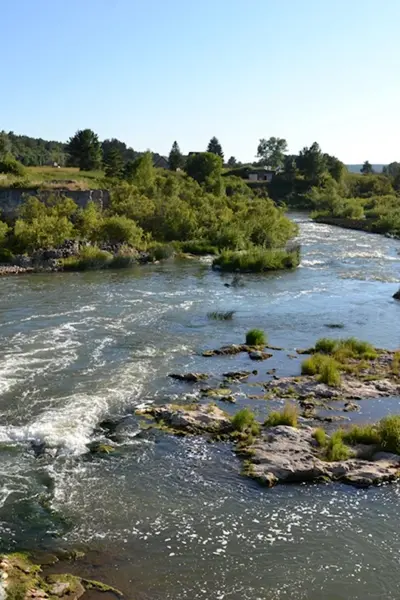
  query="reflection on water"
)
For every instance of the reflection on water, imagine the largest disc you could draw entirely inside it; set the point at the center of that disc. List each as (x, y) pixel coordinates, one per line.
(173, 516)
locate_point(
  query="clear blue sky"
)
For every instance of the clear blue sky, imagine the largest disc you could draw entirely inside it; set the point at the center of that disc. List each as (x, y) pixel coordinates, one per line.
(149, 72)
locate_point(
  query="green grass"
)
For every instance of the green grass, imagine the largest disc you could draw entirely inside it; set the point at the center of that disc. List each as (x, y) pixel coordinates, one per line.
(244, 420)
(343, 349)
(329, 373)
(256, 337)
(324, 366)
(221, 316)
(320, 437)
(162, 251)
(389, 433)
(257, 260)
(325, 345)
(336, 449)
(89, 258)
(396, 363)
(46, 177)
(361, 434)
(287, 416)
(198, 247)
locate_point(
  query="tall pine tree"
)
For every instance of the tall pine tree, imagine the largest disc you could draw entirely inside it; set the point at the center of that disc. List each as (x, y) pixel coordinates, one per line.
(175, 158)
(215, 147)
(113, 163)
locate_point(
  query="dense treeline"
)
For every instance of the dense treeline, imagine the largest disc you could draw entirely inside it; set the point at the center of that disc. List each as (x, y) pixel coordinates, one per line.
(202, 212)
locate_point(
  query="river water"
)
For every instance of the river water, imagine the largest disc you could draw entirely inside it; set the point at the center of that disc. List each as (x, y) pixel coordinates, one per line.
(171, 518)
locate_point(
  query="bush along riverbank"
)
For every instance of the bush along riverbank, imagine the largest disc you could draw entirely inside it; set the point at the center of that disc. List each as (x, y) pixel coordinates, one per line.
(289, 445)
(149, 217)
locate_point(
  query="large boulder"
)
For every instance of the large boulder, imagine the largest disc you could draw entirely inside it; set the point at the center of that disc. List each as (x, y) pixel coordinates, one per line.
(191, 418)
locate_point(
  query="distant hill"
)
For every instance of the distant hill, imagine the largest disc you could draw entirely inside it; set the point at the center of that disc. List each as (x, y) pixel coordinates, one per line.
(357, 168)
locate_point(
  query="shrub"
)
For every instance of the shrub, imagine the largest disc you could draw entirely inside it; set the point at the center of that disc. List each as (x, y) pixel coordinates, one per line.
(326, 345)
(125, 257)
(3, 232)
(221, 316)
(162, 251)
(353, 348)
(244, 420)
(256, 337)
(198, 247)
(11, 166)
(6, 256)
(336, 449)
(256, 260)
(89, 258)
(361, 434)
(288, 416)
(120, 230)
(320, 437)
(329, 373)
(389, 433)
(396, 363)
(312, 365)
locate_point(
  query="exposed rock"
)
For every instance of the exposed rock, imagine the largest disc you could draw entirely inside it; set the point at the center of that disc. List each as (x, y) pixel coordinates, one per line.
(330, 418)
(351, 407)
(236, 375)
(396, 295)
(306, 387)
(189, 377)
(259, 355)
(227, 350)
(193, 418)
(284, 454)
(222, 394)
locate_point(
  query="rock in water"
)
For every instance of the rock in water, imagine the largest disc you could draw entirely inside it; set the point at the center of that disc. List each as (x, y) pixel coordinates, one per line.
(193, 418)
(189, 377)
(396, 296)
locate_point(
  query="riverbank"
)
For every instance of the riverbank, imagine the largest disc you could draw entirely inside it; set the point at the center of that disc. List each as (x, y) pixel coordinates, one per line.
(366, 225)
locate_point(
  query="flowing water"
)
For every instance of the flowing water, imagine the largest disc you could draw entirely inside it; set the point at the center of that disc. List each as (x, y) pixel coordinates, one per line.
(171, 518)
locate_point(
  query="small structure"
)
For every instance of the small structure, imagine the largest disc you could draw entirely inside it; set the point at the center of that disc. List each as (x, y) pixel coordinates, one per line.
(160, 162)
(261, 174)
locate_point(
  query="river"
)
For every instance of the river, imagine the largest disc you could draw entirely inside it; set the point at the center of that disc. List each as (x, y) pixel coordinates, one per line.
(171, 518)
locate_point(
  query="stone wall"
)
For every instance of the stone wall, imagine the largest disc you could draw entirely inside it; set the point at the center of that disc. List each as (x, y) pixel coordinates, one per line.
(11, 199)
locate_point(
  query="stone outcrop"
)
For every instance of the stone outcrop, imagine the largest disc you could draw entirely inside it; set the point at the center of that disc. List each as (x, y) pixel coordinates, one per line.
(11, 199)
(191, 418)
(285, 454)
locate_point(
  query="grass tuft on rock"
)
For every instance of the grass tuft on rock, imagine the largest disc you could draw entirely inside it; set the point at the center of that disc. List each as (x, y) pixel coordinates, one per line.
(324, 366)
(320, 437)
(287, 416)
(336, 448)
(89, 258)
(325, 345)
(343, 349)
(256, 337)
(245, 421)
(361, 434)
(389, 433)
(257, 260)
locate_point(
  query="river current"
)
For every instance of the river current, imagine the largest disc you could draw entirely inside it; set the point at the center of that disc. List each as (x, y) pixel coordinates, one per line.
(171, 518)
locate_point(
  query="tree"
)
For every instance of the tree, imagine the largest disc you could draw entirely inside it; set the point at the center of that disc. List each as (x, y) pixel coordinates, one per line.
(203, 166)
(140, 171)
(175, 158)
(114, 163)
(84, 150)
(215, 147)
(272, 152)
(311, 163)
(367, 169)
(335, 167)
(120, 230)
(232, 162)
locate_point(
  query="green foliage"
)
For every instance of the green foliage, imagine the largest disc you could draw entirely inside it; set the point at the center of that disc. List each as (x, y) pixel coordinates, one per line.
(9, 165)
(256, 260)
(3, 232)
(215, 147)
(326, 345)
(120, 230)
(287, 416)
(367, 169)
(175, 159)
(396, 363)
(232, 162)
(324, 366)
(124, 258)
(221, 316)
(89, 221)
(361, 434)
(198, 247)
(336, 449)
(272, 152)
(320, 437)
(243, 420)
(31, 151)
(141, 171)
(44, 223)
(6, 256)
(311, 163)
(84, 150)
(389, 433)
(329, 373)
(113, 163)
(256, 337)
(90, 258)
(203, 166)
(162, 251)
